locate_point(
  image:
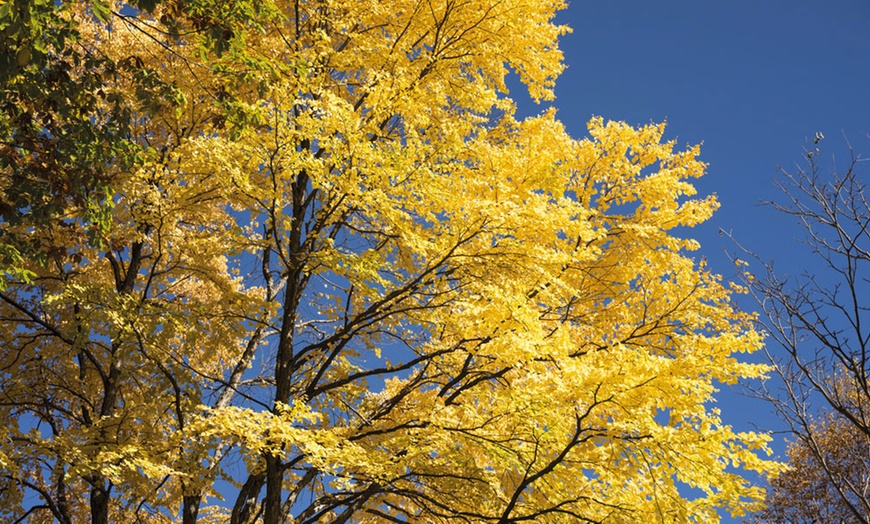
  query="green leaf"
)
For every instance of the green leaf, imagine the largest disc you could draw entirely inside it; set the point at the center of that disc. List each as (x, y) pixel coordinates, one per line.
(5, 14)
(147, 5)
(101, 10)
(40, 46)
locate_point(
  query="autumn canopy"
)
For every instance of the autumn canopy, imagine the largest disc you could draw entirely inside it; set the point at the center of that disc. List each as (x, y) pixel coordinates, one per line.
(298, 262)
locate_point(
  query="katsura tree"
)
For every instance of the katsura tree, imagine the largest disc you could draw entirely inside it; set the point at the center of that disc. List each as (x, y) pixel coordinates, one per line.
(817, 321)
(343, 283)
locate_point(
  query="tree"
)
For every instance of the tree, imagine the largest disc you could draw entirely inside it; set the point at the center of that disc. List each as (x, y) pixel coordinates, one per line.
(829, 473)
(347, 285)
(819, 320)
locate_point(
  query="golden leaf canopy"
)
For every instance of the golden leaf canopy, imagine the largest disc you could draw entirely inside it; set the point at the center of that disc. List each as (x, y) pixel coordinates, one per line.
(341, 282)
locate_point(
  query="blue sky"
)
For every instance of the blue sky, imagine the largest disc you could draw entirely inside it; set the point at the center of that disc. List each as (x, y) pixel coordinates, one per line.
(752, 80)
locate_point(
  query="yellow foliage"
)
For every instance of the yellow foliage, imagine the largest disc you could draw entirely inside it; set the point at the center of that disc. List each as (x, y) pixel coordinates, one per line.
(345, 281)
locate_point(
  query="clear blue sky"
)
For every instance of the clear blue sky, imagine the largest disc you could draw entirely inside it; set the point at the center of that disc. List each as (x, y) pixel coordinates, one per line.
(752, 80)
